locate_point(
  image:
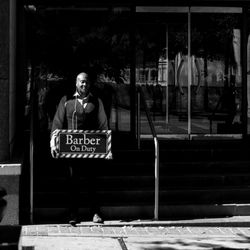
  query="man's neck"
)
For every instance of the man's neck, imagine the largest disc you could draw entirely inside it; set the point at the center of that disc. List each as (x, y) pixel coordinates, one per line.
(81, 96)
(85, 97)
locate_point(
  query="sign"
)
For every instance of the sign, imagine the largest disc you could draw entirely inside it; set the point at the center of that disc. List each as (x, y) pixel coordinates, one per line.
(83, 143)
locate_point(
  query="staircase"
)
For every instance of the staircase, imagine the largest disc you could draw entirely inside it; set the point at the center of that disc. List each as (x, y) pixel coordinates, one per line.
(204, 178)
(197, 179)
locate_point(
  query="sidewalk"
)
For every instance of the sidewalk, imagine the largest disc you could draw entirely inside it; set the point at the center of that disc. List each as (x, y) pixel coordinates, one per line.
(221, 233)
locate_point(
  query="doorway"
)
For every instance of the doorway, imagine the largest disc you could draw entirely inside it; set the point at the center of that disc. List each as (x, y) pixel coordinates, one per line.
(61, 42)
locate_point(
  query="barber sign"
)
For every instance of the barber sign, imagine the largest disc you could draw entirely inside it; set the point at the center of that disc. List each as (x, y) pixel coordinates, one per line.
(83, 143)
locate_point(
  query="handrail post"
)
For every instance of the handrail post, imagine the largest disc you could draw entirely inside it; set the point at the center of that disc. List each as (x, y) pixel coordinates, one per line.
(31, 143)
(138, 120)
(156, 209)
(156, 144)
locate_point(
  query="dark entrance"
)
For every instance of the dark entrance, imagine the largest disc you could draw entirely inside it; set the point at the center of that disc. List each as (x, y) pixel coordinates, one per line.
(64, 41)
(60, 43)
(190, 69)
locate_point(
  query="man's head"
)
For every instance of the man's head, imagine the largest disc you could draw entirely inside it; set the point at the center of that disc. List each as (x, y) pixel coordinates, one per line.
(82, 84)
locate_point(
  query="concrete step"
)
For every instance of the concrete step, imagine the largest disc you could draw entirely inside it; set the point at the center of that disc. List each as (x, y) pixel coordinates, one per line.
(215, 195)
(139, 167)
(170, 212)
(123, 183)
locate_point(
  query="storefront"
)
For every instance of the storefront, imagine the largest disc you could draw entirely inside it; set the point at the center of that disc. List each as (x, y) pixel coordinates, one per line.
(204, 49)
(189, 58)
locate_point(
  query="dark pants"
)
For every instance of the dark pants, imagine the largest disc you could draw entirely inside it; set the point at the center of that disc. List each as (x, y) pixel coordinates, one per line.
(83, 175)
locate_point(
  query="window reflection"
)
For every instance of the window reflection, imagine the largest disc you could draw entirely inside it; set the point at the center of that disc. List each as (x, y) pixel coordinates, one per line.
(68, 40)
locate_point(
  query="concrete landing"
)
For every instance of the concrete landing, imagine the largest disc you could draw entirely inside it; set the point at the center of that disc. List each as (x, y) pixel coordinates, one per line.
(221, 233)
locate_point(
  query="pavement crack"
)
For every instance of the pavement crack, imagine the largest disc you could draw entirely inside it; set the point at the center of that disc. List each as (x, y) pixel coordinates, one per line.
(122, 243)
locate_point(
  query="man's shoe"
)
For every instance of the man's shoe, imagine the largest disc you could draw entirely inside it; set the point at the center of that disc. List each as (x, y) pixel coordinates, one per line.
(73, 219)
(97, 219)
(73, 222)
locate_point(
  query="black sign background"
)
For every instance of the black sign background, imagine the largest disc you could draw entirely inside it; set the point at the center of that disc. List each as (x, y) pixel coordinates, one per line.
(86, 143)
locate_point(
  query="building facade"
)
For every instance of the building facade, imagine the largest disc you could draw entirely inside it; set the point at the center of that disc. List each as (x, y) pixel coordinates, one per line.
(190, 58)
(202, 45)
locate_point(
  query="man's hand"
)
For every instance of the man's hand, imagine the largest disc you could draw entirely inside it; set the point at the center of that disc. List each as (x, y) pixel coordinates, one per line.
(53, 149)
(54, 152)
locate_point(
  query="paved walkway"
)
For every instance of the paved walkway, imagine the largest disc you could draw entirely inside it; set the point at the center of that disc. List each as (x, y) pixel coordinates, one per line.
(139, 235)
(134, 231)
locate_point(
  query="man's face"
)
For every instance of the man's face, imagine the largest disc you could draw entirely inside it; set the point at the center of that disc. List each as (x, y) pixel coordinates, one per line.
(82, 84)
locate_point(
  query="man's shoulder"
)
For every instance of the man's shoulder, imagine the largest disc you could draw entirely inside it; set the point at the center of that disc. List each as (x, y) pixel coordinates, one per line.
(67, 97)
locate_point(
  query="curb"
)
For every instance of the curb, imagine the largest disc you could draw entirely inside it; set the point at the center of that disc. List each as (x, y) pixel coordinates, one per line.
(235, 221)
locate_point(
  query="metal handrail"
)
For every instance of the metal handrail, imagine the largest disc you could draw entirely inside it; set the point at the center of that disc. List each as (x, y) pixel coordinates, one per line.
(31, 143)
(156, 144)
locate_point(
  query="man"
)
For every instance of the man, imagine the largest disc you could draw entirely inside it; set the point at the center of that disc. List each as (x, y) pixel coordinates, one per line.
(82, 111)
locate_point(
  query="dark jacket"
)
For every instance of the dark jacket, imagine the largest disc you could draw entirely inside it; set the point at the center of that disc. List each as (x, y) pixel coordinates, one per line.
(71, 114)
